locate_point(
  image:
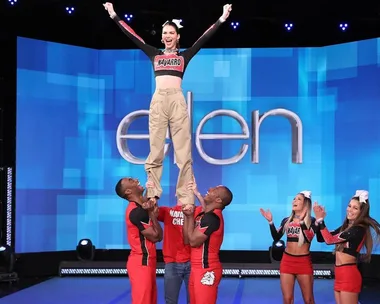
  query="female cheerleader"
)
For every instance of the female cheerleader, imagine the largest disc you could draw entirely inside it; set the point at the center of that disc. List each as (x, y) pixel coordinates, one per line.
(296, 263)
(349, 239)
(168, 106)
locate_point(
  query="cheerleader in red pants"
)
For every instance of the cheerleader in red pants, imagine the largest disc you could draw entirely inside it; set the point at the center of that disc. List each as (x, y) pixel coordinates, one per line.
(349, 239)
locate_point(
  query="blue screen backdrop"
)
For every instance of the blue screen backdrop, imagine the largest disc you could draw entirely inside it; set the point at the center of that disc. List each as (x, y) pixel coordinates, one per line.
(71, 101)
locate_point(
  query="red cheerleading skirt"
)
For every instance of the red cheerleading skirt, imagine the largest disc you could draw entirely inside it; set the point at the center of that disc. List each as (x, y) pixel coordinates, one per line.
(296, 264)
(347, 278)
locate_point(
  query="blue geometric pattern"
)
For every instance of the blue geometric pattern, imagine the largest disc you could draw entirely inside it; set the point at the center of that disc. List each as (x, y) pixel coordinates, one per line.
(72, 99)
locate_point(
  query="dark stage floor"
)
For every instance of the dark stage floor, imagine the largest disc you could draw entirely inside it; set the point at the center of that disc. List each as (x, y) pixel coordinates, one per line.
(109, 290)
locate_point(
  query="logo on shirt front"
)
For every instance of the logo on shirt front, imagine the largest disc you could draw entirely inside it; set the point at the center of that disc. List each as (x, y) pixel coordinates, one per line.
(293, 231)
(168, 62)
(177, 217)
(208, 278)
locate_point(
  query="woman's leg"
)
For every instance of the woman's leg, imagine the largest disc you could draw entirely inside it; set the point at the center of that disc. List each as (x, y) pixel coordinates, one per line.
(306, 283)
(337, 297)
(180, 131)
(287, 287)
(349, 297)
(158, 125)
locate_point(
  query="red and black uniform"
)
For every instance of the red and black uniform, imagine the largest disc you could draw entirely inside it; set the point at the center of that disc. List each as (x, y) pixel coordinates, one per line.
(141, 265)
(174, 249)
(347, 276)
(296, 264)
(167, 64)
(206, 269)
(176, 253)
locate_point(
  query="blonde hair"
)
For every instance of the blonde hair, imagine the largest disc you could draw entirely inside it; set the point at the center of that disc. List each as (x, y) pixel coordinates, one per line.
(307, 219)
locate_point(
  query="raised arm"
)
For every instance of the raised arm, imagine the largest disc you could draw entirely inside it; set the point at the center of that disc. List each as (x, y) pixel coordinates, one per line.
(147, 224)
(190, 52)
(163, 212)
(149, 50)
(156, 225)
(192, 186)
(201, 200)
(185, 229)
(277, 233)
(336, 237)
(189, 222)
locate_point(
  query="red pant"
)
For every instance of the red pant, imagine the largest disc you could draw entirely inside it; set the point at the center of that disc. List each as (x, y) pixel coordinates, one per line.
(203, 285)
(348, 278)
(143, 280)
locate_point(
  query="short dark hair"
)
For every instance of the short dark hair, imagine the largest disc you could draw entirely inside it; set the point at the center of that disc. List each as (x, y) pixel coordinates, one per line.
(226, 196)
(119, 189)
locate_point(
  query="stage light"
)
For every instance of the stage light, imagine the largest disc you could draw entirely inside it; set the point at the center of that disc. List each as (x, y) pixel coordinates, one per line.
(85, 250)
(276, 251)
(128, 17)
(12, 2)
(288, 26)
(234, 25)
(69, 10)
(343, 26)
(7, 259)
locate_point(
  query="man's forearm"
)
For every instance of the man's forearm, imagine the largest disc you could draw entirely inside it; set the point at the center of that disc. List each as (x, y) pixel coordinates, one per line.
(190, 228)
(200, 199)
(145, 197)
(157, 227)
(185, 228)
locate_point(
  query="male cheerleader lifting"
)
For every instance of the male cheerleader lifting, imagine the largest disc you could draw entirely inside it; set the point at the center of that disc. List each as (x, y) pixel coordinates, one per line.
(143, 232)
(205, 236)
(176, 252)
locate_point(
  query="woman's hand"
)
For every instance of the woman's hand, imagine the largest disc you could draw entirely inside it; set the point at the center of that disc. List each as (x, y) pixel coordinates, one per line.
(267, 214)
(109, 8)
(227, 8)
(319, 211)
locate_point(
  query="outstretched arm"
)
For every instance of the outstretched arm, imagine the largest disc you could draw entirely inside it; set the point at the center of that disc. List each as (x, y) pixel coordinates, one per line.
(156, 225)
(190, 52)
(149, 50)
(163, 212)
(335, 237)
(200, 199)
(185, 229)
(192, 186)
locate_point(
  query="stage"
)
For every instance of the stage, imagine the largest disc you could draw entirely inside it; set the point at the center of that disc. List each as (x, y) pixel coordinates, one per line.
(111, 290)
(107, 282)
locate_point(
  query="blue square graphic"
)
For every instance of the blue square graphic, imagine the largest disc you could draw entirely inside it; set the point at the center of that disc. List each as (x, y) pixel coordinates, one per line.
(69, 112)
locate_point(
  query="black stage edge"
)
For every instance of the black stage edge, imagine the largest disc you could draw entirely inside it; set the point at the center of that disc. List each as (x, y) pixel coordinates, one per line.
(118, 268)
(44, 264)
